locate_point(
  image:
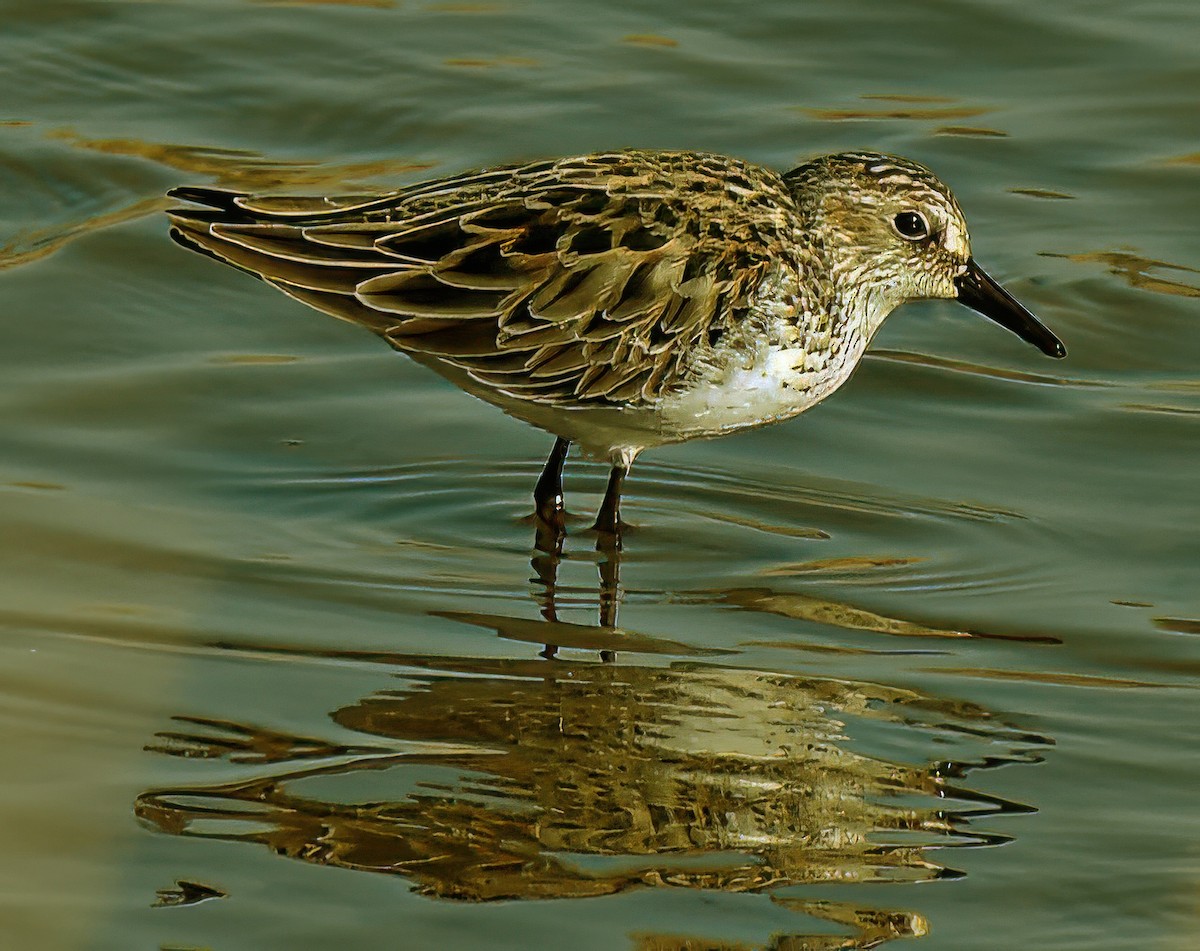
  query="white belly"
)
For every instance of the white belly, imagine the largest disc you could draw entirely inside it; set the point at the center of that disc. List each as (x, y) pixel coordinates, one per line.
(774, 383)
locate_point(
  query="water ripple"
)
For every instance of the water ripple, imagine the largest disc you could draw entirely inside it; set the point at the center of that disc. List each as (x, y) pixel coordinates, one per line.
(486, 780)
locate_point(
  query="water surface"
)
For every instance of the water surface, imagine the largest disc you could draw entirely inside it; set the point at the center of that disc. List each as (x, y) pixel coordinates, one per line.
(920, 664)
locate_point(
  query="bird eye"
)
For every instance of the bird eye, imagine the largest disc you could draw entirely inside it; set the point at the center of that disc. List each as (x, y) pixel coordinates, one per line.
(911, 225)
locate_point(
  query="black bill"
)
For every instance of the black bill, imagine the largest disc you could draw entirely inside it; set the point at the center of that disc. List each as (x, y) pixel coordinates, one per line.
(982, 294)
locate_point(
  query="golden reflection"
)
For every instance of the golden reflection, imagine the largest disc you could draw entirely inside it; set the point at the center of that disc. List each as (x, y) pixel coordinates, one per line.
(868, 929)
(1178, 625)
(233, 168)
(253, 359)
(1135, 270)
(45, 241)
(970, 131)
(855, 564)
(788, 531)
(535, 779)
(978, 369)
(1042, 193)
(240, 168)
(517, 62)
(373, 4)
(1175, 386)
(579, 636)
(186, 893)
(895, 97)
(481, 779)
(872, 928)
(516, 778)
(804, 607)
(1161, 408)
(839, 614)
(467, 8)
(649, 39)
(933, 113)
(39, 486)
(1061, 679)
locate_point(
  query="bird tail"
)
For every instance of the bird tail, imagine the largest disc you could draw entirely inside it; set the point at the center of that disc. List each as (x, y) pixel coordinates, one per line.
(191, 226)
(266, 238)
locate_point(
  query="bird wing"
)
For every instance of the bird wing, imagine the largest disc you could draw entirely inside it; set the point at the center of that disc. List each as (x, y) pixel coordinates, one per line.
(575, 282)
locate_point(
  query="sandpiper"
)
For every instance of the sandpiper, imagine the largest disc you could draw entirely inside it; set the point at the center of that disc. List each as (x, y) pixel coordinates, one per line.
(627, 299)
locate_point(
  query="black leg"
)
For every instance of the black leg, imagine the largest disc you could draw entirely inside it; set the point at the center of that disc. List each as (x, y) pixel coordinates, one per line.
(608, 544)
(548, 494)
(608, 519)
(548, 537)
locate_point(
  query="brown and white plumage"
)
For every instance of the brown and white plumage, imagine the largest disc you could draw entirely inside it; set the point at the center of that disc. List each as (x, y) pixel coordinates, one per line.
(575, 283)
(623, 299)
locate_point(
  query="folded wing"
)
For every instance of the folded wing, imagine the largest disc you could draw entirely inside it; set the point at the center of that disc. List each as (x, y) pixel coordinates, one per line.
(578, 282)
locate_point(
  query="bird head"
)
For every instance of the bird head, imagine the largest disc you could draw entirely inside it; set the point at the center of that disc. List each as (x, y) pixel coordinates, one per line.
(890, 232)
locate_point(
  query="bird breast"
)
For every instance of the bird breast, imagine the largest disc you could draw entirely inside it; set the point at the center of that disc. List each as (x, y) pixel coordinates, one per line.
(787, 354)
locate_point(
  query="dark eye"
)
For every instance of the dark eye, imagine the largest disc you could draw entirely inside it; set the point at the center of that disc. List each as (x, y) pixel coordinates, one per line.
(911, 225)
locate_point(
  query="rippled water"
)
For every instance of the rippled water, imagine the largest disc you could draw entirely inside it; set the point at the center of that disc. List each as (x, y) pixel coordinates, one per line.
(272, 617)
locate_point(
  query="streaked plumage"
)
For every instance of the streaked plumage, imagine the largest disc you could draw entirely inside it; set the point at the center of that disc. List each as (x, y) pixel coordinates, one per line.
(625, 299)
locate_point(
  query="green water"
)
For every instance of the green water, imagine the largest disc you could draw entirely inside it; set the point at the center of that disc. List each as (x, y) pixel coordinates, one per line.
(919, 664)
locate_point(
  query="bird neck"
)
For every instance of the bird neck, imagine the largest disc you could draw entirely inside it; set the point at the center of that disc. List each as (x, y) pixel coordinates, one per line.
(850, 291)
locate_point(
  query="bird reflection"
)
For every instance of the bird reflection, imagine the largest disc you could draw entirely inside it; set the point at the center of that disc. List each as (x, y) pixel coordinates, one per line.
(549, 538)
(518, 778)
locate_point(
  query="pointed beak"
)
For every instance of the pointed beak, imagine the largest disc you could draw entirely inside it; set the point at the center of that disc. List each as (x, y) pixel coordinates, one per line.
(985, 296)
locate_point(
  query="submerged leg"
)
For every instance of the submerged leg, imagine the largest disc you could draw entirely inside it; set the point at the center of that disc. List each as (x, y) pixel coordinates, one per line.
(609, 566)
(548, 494)
(546, 557)
(608, 519)
(548, 538)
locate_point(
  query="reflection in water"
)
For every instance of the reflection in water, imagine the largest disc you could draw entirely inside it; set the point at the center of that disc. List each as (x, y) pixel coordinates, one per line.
(242, 168)
(498, 62)
(527, 779)
(977, 369)
(970, 131)
(1135, 270)
(869, 929)
(549, 536)
(649, 39)
(41, 242)
(917, 114)
(186, 893)
(233, 168)
(803, 607)
(1042, 193)
(373, 4)
(1179, 625)
(483, 779)
(839, 614)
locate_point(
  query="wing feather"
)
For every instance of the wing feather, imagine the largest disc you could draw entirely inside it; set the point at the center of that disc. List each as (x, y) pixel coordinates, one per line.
(576, 282)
